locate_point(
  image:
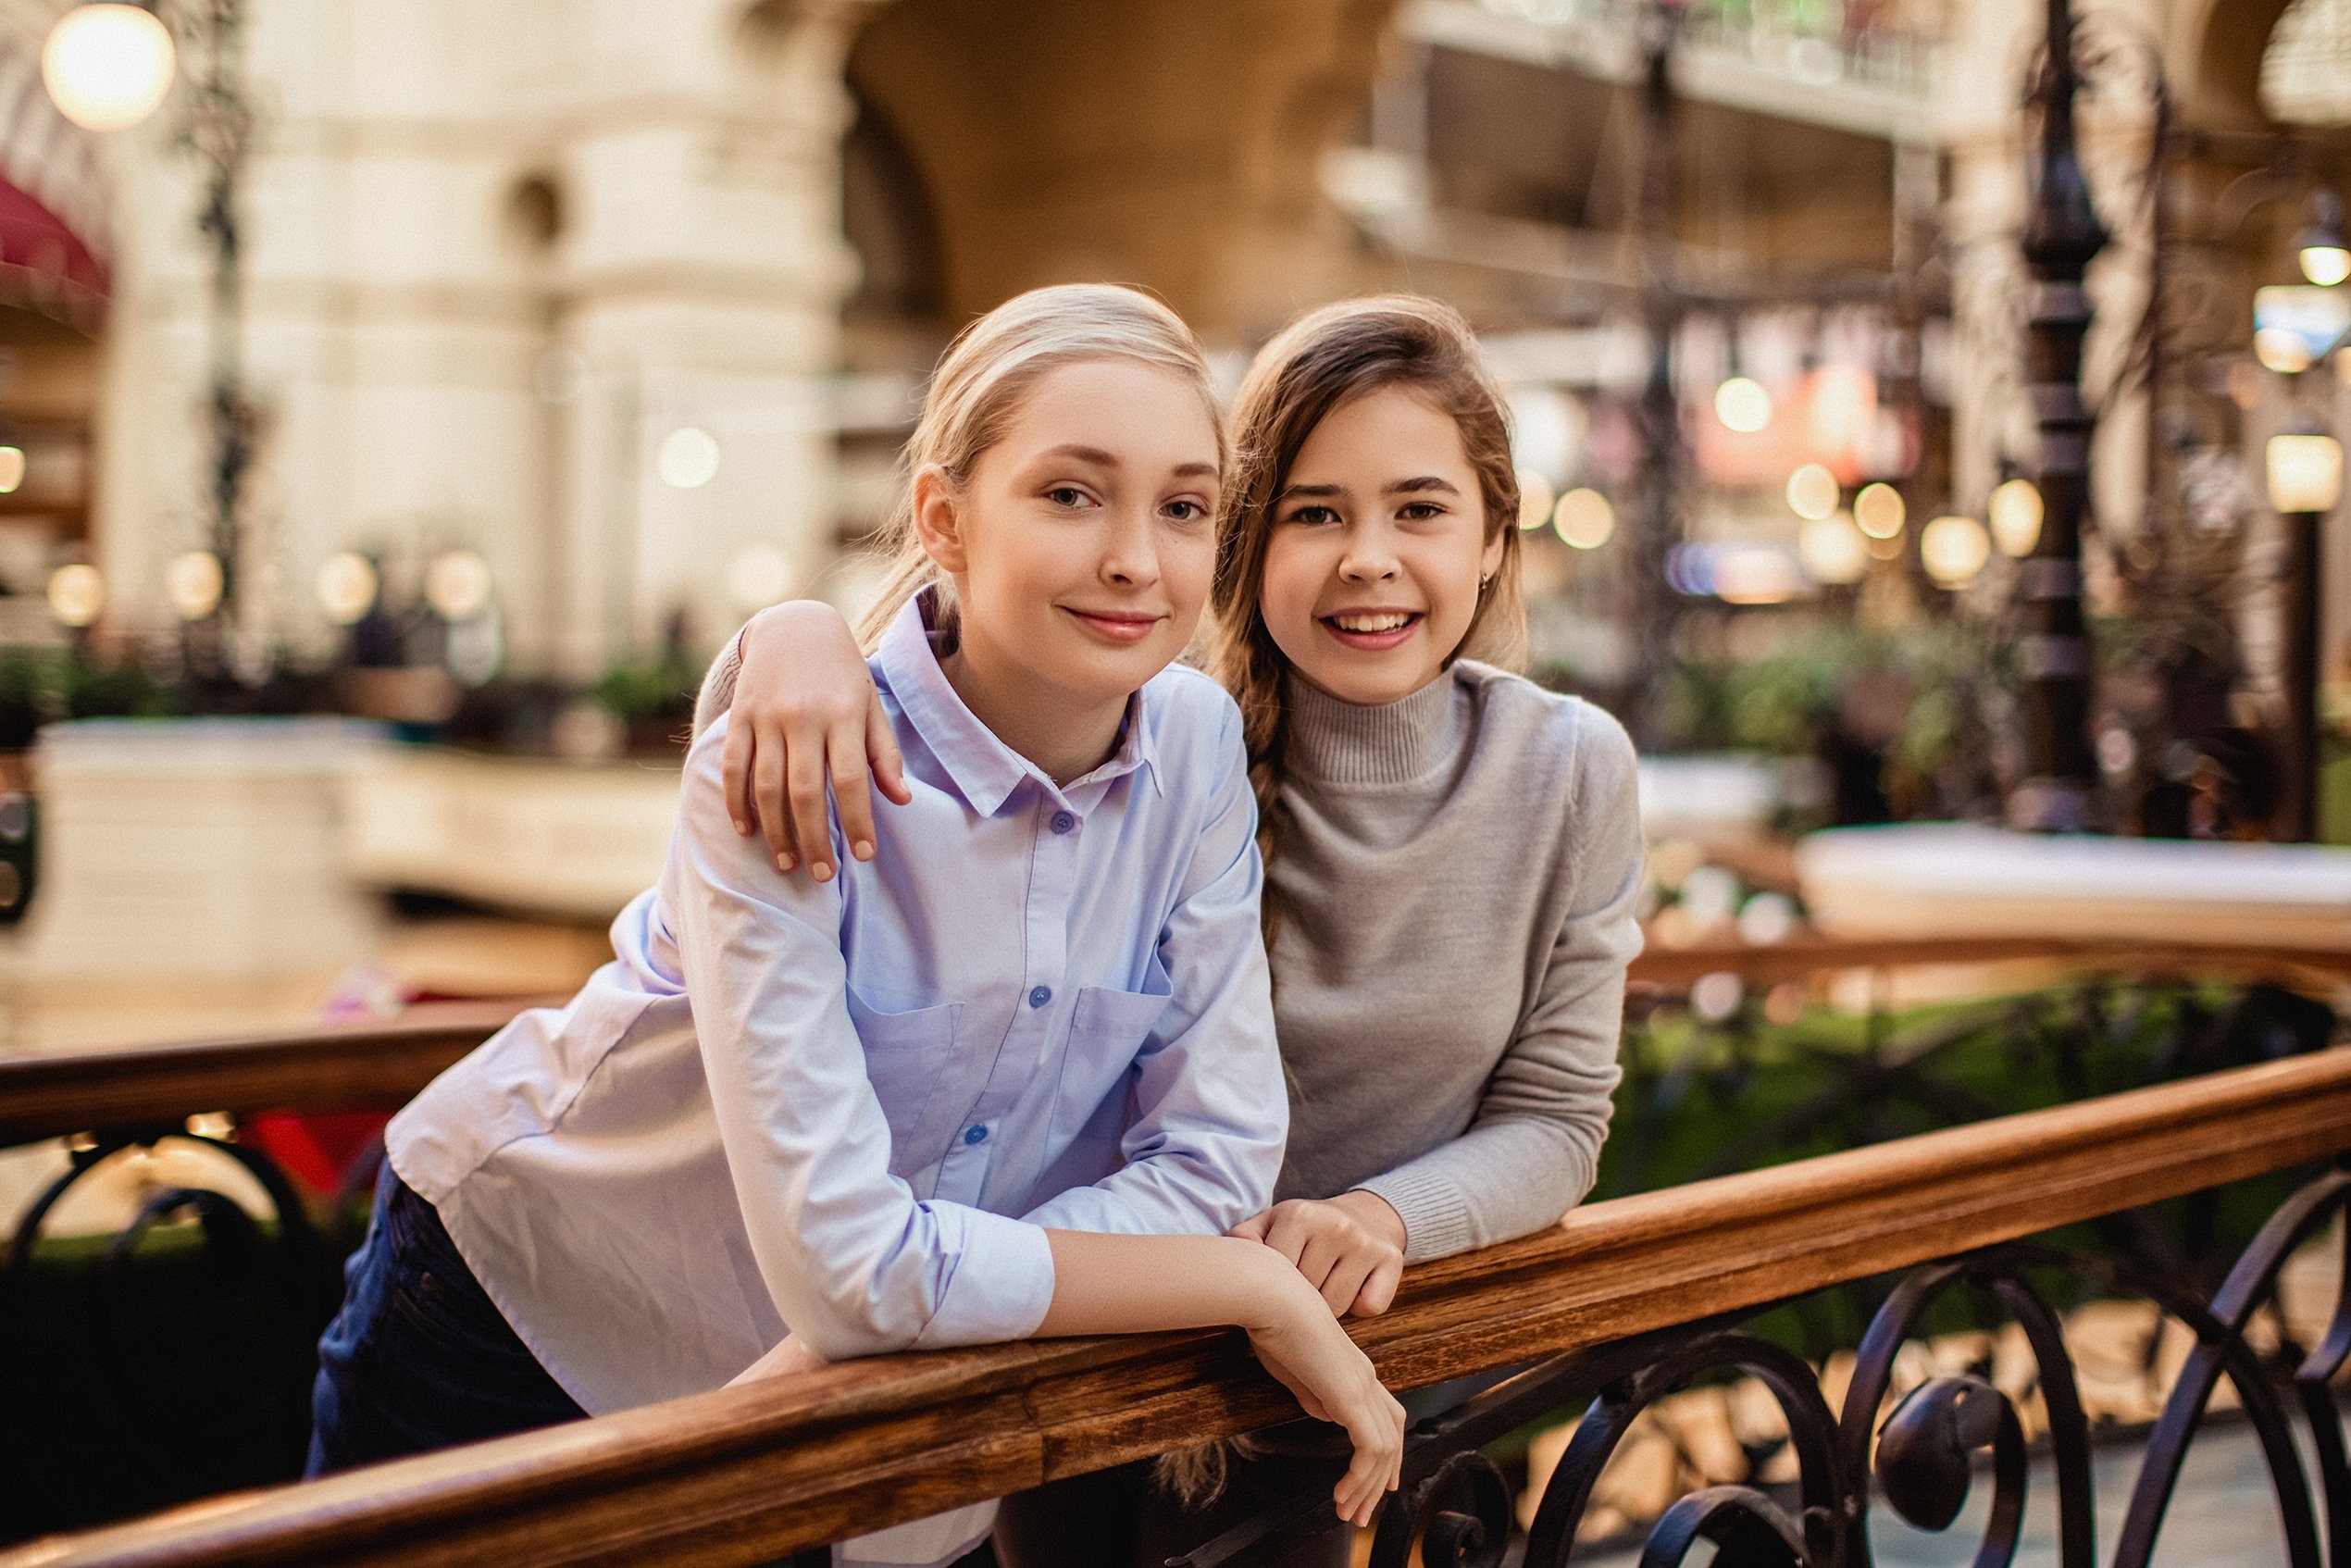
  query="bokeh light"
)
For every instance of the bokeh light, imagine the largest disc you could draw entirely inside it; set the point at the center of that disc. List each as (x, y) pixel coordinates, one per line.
(76, 594)
(1535, 498)
(1878, 511)
(1954, 549)
(106, 65)
(2016, 517)
(1832, 550)
(346, 588)
(1813, 491)
(687, 459)
(457, 585)
(1584, 519)
(193, 582)
(1743, 404)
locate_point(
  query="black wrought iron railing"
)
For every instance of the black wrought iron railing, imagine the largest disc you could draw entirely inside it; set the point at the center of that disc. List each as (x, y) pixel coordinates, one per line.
(1627, 1300)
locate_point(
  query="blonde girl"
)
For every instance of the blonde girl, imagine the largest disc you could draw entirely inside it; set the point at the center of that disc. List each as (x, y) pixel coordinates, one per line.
(1014, 1059)
(1452, 854)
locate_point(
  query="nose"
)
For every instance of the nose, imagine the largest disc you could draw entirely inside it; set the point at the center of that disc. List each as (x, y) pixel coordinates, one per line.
(1130, 553)
(1369, 555)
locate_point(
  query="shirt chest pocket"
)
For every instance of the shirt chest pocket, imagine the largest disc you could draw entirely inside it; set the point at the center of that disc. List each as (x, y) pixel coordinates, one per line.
(907, 1054)
(1107, 1026)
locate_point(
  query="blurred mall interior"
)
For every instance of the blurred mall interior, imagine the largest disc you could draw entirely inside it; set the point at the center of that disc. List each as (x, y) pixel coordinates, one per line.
(460, 376)
(1929, 424)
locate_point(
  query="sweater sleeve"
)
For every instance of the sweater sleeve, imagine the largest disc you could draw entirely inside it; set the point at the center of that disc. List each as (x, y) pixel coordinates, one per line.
(1532, 1150)
(717, 693)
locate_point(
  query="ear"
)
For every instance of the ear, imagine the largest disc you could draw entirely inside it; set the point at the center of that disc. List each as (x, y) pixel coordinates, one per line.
(1490, 561)
(938, 519)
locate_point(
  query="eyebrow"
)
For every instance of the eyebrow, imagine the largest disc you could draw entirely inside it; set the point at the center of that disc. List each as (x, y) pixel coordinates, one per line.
(1401, 487)
(1101, 459)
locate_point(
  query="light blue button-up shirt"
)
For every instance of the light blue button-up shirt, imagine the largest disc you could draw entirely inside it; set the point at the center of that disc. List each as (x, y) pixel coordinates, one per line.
(853, 1109)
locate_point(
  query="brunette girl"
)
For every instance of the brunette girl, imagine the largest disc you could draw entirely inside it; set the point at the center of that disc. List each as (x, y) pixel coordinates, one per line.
(1452, 853)
(975, 1087)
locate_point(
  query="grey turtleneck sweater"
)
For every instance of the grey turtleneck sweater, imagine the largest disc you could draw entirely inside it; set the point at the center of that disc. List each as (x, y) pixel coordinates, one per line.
(1454, 885)
(1455, 881)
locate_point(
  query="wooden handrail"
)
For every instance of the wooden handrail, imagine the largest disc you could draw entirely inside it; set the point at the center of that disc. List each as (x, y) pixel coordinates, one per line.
(338, 1067)
(347, 1066)
(743, 1475)
(1810, 955)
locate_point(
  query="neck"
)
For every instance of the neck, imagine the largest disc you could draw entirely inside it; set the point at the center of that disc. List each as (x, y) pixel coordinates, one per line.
(1065, 735)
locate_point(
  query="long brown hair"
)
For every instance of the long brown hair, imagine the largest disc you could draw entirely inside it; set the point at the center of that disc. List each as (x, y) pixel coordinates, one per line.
(1325, 359)
(976, 394)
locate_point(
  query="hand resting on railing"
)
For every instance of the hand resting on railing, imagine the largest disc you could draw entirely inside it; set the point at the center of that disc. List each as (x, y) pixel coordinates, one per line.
(1123, 1285)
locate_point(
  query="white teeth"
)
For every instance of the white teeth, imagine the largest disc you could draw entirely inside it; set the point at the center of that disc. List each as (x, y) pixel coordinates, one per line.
(1388, 622)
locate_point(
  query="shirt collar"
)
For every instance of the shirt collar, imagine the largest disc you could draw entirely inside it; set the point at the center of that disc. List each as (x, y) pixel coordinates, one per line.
(985, 770)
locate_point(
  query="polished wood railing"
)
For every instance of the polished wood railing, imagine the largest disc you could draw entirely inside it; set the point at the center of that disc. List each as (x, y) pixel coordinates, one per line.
(744, 1475)
(342, 1067)
(351, 1066)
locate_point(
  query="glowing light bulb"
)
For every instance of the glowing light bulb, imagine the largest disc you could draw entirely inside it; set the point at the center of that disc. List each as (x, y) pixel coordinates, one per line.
(1743, 404)
(1584, 519)
(1813, 491)
(108, 66)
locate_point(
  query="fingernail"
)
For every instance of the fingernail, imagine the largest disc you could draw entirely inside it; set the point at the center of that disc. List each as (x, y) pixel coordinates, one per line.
(784, 862)
(822, 871)
(739, 826)
(862, 850)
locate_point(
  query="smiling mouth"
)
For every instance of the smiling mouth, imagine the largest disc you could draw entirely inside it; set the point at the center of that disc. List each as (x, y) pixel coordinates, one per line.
(1116, 626)
(1372, 623)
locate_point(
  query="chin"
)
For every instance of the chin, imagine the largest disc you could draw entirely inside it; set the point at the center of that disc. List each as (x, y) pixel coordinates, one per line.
(1368, 685)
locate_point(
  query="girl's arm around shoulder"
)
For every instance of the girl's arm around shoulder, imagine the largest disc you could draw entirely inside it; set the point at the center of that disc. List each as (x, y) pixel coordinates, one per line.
(1211, 1111)
(1533, 1147)
(853, 1263)
(807, 720)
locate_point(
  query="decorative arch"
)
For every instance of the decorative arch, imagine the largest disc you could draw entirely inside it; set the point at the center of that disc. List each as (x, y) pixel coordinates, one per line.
(2212, 56)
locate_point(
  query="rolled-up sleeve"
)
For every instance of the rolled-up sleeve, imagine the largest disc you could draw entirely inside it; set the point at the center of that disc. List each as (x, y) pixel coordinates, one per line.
(855, 1263)
(1211, 1109)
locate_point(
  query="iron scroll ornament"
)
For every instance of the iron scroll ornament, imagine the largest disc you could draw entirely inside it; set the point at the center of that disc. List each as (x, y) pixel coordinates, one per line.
(1922, 1460)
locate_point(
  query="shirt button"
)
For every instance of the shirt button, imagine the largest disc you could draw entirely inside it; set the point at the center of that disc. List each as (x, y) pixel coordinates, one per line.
(1040, 996)
(975, 1135)
(1063, 822)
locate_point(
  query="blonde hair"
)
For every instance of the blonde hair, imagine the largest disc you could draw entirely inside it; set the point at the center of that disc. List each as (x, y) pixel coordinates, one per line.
(976, 394)
(1325, 359)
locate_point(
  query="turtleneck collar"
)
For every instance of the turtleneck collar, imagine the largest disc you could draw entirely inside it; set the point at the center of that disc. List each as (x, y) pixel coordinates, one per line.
(1383, 743)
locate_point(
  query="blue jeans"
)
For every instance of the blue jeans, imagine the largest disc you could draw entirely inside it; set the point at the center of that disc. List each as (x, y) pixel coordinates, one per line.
(419, 1358)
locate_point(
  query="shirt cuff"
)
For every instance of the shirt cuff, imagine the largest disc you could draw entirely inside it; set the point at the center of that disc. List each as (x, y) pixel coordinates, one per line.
(999, 1286)
(1436, 1222)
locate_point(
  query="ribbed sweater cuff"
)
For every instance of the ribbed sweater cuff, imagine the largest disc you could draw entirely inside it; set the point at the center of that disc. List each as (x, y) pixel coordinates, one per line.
(1436, 1221)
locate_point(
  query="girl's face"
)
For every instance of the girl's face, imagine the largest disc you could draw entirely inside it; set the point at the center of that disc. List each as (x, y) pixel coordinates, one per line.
(1378, 547)
(1082, 541)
